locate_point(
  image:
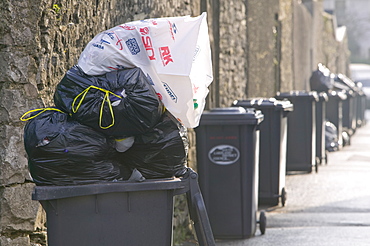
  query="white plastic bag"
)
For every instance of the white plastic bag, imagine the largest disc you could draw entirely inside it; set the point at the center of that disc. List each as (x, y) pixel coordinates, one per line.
(124, 144)
(173, 52)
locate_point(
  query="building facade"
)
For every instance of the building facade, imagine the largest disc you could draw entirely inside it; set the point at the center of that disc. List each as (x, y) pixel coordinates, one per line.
(355, 15)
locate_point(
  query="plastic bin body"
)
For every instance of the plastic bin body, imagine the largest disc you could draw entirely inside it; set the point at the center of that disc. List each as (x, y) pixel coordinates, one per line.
(227, 157)
(273, 147)
(361, 108)
(301, 143)
(109, 213)
(361, 105)
(334, 112)
(320, 127)
(349, 117)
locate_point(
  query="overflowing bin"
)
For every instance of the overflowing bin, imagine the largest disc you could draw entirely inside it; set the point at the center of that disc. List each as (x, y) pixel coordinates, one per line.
(320, 127)
(273, 147)
(121, 213)
(301, 143)
(227, 157)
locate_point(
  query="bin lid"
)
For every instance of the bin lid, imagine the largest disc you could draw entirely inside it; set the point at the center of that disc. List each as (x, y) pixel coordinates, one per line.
(343, 79)
(323, 97)
(264, 103)
(231, 116)
(350, 93)
(293, 94)
(57, 192)
(340, 95)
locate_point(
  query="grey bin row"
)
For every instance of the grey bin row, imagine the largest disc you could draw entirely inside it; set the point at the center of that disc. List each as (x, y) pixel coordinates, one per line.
(245, 151)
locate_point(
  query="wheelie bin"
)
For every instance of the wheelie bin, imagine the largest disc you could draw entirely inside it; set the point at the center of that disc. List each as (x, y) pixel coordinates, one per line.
(273, 147)
(301, 143)
(361, 106)
(349, 104)
(321, 154)
(334, 112)
(349, 116)
(121, 213)
(227, 141)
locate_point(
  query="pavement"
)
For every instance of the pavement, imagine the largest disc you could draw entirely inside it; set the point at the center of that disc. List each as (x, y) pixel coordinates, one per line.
(327, 208)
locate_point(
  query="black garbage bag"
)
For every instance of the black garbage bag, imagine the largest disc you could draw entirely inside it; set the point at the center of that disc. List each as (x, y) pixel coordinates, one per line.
(62, 151)
(331, 137)
(161, 152)
(322, 79)
(120, 103)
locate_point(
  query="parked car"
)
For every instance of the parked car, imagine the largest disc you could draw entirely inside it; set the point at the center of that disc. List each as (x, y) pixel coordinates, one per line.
(361, 73)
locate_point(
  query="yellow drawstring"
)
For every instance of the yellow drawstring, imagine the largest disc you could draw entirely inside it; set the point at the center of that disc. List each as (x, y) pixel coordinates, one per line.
(105, 99)
(42, 110)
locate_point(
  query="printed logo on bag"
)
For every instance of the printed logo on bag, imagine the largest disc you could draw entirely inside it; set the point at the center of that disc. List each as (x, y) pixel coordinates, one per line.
(170, 92)
(133, 46)
(119, 43)
(128, 28)
(165, 55)
(224, 154)
(159, 95)
(110, 35)
(113, 36)
(147, 41)
(171, 30)
(144, 31)
(100, 44)
(196, 52)
(174, 28)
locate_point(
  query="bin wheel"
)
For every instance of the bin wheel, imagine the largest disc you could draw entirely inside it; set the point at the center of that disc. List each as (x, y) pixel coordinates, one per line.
(262, 222)
(283, 196)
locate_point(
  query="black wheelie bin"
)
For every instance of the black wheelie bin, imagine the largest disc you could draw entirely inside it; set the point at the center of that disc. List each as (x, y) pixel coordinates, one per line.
(273, 147)
(351, 104)
(227, 141)
(334, 112)
(321, 154)
(301, 146)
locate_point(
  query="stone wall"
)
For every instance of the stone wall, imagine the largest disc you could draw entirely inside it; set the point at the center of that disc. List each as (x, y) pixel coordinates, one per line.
(286, 47)
(258, 48)
(232, 48)
(262, 50)
(302, 47)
